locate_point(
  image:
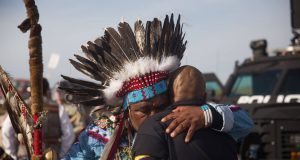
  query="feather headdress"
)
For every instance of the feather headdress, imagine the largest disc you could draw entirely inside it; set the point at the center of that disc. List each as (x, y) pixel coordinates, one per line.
(124, 60)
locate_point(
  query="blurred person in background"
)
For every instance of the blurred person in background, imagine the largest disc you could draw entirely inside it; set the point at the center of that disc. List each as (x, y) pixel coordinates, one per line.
(57, 130)
(76, 113)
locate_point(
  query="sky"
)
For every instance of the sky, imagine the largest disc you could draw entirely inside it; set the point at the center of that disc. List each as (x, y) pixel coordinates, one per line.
(218, 31)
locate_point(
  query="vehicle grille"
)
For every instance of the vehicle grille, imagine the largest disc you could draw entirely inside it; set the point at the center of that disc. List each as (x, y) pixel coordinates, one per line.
(290, 143)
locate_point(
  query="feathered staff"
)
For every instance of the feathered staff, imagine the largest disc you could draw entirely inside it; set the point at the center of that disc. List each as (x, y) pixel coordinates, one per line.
(18, 111)
(36, 71)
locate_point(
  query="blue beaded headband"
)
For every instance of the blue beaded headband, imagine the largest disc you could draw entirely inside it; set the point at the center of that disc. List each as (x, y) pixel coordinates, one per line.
(144, 93)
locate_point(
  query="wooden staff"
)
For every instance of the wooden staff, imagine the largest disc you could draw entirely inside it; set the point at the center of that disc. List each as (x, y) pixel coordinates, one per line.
(36, 71)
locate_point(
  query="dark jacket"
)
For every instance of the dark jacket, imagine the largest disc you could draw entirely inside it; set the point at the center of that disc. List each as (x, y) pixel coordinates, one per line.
(207, 144)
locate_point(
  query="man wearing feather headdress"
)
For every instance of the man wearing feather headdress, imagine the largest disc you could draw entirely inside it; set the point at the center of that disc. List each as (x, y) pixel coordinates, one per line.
(134, 68)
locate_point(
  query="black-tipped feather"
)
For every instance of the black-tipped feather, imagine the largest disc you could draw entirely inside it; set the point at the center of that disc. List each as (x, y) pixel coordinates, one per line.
(116, 43)
(155, 34)
(83, 83)
(111, 59)
(87, 71)
(86, 62)
(139, 32)
(128, 36)
(81, 91)
(147, 49)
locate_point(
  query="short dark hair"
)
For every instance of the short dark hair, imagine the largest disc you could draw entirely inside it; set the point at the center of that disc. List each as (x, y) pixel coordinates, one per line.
(45, 86)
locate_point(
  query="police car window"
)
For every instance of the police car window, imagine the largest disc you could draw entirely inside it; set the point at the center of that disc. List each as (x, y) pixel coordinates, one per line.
(291, 83)
(255, 84)
(214, 86)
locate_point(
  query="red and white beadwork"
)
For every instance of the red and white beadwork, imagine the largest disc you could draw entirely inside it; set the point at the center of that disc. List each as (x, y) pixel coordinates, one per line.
(141, 82)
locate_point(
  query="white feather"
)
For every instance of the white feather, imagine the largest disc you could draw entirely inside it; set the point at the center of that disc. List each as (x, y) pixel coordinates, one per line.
(169, 64)
(110, 93)
(133, 69)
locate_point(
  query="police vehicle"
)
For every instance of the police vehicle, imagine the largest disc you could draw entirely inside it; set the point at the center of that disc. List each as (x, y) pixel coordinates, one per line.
(268, 87)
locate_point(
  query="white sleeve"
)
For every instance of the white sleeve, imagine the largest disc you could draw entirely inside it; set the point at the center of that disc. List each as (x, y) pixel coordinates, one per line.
(68, 134)
(236, 121)
(227, 115)
(9, 139)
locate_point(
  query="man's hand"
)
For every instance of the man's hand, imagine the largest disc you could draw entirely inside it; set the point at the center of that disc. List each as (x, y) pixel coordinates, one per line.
(185, 117)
